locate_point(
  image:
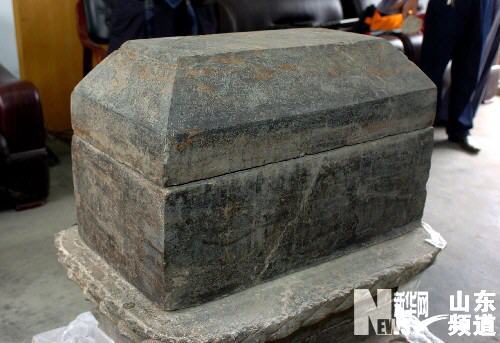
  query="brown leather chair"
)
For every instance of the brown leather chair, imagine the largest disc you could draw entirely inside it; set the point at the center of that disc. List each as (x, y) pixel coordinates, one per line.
(93, 31)
(24, 173)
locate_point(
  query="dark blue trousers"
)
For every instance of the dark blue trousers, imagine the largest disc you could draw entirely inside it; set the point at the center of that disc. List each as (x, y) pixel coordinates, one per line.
(458, 33)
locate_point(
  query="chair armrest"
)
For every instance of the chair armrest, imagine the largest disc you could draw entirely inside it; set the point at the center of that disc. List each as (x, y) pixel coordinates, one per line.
(21, 119)
(98, 50)
(342, 24)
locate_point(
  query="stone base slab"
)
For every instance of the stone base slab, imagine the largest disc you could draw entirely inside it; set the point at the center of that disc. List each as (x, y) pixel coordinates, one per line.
(292, 308)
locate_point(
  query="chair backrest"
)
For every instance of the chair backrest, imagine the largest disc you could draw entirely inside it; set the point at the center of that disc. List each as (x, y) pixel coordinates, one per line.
(361, 5)
(349, 9)
(96, 16)
(242, 15)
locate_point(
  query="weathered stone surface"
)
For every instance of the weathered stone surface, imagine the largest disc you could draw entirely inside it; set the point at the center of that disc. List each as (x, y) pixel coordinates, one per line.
(207, 165)
(338, 327)
(184, 245)
(183, 109)
(308, 301)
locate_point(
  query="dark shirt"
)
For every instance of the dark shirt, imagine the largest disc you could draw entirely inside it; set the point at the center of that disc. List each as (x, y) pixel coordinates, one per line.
(128, 21)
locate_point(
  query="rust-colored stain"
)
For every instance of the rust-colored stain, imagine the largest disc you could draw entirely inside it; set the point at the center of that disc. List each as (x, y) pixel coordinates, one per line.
(228, 59)
(184, 144)
(204, 88)
(377, 127)
(200, 72)
(188, 140)
(288, 67)
(264, 74)
(381, 72)
(82, 132)
(333, 72)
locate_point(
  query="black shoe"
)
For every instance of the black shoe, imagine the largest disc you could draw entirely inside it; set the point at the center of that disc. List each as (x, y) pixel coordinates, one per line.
(464, 143)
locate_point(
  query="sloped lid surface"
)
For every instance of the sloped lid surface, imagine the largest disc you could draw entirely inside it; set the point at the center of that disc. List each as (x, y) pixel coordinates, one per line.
(178, 110)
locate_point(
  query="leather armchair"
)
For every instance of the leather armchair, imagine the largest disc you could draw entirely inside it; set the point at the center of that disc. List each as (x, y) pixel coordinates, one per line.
(24, 176)
(360, 5)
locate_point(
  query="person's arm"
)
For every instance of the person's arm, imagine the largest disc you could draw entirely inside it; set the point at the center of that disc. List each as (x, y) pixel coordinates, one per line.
(410, 7)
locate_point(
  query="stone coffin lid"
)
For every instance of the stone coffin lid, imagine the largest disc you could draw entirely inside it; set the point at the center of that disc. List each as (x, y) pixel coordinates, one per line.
(180, 110)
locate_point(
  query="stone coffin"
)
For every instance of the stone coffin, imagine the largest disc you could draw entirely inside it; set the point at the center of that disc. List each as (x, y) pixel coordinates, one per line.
(206, 165)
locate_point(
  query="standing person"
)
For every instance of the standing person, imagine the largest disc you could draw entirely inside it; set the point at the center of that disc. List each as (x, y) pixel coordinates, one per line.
(458, 30)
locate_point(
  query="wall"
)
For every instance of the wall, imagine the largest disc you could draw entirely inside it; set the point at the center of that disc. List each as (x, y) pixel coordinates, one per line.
(8, 50)
(50, 54)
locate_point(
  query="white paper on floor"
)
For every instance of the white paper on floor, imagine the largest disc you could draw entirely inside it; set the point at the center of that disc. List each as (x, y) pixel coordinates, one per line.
(84, 329)
(413, 329)
(435, 237)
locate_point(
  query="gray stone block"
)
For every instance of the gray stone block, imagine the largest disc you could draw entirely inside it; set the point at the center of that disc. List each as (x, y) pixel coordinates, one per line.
(207, 165)
(178, 110)
(187, 244)
(312, 305)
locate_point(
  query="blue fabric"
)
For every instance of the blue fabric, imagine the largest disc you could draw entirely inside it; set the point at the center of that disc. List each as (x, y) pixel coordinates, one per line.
(194, 19)
(173, 3)
(149, 13)
(457, 33)
(191, 12)
(139, 19)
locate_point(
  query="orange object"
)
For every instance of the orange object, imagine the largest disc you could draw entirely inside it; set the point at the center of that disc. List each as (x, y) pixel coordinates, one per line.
(384, 23)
